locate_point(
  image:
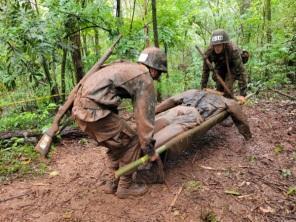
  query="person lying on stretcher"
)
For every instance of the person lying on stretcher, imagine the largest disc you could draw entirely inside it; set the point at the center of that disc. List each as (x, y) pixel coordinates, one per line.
(206, 103)
(182, 112)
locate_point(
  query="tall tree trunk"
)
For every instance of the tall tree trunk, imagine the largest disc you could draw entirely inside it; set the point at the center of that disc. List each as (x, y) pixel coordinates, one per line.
(53, 88)
(118, 14)
(74, 37)
(53, 65)
(244, 6)
(35, 5)
(118, 9)
(85, 45)
(146, 26)
(263, 26)
(96, 39)
(133, 14)
(154, 18)
(52, 84)
(268, 18)
(76, 56)
(63, 71)
(156, 44)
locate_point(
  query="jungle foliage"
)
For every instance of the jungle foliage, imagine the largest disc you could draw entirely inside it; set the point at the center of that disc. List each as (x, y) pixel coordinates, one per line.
(47, 45)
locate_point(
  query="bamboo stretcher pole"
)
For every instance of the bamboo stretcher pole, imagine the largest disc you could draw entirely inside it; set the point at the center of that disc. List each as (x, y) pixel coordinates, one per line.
(197, 131)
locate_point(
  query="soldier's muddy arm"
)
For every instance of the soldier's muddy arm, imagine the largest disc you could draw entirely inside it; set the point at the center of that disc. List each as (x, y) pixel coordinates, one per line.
(242, 83)
(205, 75)
(241, 73)
(144, 111)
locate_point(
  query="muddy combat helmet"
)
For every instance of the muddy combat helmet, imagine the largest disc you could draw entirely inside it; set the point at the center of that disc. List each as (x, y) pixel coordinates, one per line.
(219, 36)
(154, 58)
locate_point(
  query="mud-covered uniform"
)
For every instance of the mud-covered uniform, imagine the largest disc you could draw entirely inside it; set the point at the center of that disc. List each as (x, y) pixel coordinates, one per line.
(95, 111)
(236, 70)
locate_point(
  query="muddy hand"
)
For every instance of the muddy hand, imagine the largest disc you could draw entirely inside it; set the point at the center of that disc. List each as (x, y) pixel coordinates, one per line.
(241, 99)
(154, 157)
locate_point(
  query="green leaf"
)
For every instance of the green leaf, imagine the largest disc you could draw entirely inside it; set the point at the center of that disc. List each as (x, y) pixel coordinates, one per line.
(291, 191)
(278, 149)
(286, 172)
(193, 185)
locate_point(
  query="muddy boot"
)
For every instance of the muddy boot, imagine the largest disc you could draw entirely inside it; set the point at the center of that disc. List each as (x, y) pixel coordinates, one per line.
(127, 189)
(227, 122)
(111, 182)
(152, 174)
(246, 133)
(110, 186)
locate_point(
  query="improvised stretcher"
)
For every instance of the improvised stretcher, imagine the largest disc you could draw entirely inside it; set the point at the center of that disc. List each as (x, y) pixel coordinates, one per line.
(179, 142)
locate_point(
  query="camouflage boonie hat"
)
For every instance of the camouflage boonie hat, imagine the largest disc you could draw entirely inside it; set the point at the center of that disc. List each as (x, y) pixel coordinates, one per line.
(219, 36)
(154, 58)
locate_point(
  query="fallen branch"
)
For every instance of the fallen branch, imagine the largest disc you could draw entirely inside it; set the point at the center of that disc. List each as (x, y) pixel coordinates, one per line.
(19, 133)
(210, 168)
(13, 197)
(246, 196)
(67, 132)
(176, 197)
(232, 192)
(283, 94)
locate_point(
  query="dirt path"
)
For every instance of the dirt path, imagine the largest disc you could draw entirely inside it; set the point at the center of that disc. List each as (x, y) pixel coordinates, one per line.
(222, 177)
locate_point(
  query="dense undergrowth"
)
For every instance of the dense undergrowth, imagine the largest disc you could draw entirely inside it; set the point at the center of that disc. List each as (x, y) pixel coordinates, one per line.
(19, 159)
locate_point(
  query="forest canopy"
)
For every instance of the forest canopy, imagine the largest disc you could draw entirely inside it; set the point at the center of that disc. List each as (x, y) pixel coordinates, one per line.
(48, 45)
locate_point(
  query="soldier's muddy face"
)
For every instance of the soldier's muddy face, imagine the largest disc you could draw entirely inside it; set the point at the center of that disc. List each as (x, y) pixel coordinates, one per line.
(218, 48)
(155, 74)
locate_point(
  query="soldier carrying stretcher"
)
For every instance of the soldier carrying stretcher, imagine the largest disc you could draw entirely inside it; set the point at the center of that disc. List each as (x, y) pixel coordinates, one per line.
(95, 111)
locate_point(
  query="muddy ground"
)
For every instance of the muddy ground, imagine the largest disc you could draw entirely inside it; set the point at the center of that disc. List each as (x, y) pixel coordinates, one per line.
(221, 178)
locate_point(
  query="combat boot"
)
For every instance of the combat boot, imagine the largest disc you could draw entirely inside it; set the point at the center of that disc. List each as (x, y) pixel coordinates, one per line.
(110, 186)
(152, 174)
(227, 122)
(111, 183)
(128, 189)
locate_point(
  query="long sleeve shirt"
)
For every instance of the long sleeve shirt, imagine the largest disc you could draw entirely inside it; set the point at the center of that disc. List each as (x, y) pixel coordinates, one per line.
(102, 93)
(237, 69)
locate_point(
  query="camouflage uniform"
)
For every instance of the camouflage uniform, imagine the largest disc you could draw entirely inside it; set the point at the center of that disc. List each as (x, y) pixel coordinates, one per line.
(237, 70)
(95, 111)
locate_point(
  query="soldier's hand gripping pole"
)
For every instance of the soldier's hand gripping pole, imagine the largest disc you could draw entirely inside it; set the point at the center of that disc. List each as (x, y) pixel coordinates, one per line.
(43, 146)
(220, 80)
